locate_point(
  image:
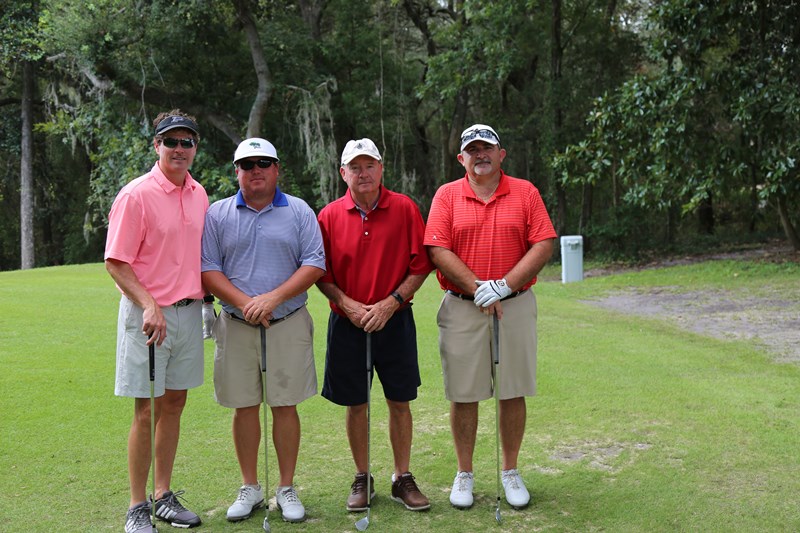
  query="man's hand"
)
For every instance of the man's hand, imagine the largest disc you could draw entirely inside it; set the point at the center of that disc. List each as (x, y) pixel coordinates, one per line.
(378, 314)
(491, 291)
(154, 325)
(209, 317)
(259, 309)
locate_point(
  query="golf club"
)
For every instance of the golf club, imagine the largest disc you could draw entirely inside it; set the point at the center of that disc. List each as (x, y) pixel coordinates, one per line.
(496, 361)
(363, 524)
(266, 455)
(152, 365)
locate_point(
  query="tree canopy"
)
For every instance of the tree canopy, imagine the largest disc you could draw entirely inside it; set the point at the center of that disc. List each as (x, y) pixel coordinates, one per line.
(642, 123)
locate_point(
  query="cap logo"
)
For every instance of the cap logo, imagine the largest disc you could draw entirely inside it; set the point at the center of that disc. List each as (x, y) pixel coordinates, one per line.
(255, 144)
(480, 134)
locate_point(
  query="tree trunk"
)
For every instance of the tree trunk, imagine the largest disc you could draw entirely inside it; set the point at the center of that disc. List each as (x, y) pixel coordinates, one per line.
(26, 166)
(705, 215)
(258, 110)
(586, 208)
(556, 53)
(786, 222)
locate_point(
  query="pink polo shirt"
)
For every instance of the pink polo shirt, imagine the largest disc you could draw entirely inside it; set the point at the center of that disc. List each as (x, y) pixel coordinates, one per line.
(156, 227)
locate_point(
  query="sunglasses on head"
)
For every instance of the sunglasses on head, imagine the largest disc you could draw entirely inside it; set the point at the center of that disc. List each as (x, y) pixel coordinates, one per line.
(171, 142)
(479, 134)
(248, 165)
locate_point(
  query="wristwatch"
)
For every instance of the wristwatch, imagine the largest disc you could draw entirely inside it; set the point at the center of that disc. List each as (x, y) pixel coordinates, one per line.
(400, 299)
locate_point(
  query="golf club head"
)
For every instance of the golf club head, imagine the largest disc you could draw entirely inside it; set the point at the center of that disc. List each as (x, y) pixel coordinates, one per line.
(363, 524)
(497, 516)
(266, 525)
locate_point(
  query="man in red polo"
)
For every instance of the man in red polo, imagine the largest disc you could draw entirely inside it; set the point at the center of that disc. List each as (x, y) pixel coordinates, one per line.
(375, 264)
(489, 235)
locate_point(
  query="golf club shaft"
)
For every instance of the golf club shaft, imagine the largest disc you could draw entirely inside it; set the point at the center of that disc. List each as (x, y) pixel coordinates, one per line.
(263, 332)
(369, 383)
(363, 523)
(152, 369)
(496, 365)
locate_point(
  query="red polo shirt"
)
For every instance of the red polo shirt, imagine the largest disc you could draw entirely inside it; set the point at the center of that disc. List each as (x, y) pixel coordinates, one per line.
(368, 258)
(490, 238)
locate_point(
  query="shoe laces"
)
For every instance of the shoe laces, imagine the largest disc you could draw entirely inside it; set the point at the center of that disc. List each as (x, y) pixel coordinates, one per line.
(359, 484)
(244, 493)
(290, 495)
(140, 517)
(463, 480)
(511, 477)
(406, 483)
(172, 501)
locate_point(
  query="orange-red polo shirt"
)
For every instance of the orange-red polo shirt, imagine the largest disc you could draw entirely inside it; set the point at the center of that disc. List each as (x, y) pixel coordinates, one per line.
(489, 237)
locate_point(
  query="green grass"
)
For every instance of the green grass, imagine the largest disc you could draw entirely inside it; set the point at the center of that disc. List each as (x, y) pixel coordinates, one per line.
(637, 426)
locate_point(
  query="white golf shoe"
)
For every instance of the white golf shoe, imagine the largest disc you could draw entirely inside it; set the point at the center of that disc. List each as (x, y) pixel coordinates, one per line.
(461, 493)
(289, 503)
(250, 499)
(516, 494)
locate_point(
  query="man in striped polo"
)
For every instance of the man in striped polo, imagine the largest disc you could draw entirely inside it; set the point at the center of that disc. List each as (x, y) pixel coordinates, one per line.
(489, 235)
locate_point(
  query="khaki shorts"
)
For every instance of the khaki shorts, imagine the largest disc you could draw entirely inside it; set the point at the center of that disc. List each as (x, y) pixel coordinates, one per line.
(291, 374)
(179, 359)
(465, 335)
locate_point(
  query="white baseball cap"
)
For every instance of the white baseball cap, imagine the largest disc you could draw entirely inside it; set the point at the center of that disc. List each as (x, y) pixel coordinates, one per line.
(359, 147)
(479, 132)
(254, 147)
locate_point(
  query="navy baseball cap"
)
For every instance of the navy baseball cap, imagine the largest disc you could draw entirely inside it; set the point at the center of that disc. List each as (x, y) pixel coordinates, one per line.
(175, 122)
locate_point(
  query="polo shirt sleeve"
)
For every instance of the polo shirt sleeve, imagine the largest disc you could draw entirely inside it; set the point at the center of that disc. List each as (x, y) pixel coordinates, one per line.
(312, 248)
(420, 262)
(211, 250)
(324, 220)
(126, 228)
(440, 223)
(540, 227)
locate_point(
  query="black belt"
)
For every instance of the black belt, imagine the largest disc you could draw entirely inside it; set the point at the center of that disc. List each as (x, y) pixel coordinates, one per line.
(185, 302)
(472, 299)
(271, 322)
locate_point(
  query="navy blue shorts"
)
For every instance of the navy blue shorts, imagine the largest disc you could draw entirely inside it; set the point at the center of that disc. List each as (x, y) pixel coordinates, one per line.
(394, 358)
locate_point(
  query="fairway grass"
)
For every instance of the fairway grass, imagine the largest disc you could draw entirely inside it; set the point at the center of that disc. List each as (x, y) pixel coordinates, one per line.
(637, 425)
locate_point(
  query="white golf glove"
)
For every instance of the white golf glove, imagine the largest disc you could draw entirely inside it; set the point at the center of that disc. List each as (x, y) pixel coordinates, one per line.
(491, 291)
(209, 317)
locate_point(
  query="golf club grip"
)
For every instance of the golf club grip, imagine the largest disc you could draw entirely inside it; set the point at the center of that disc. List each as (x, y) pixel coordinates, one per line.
(263, 348)
(152, 363)
(369, 351)
(496, 340)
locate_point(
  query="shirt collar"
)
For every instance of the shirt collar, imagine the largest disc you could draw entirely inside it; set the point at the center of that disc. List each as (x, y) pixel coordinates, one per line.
(502, 187)
(166, 184)
(349, 203)
(279, 200)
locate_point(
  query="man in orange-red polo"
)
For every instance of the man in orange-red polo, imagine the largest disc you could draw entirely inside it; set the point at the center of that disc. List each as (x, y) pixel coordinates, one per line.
(489, 235)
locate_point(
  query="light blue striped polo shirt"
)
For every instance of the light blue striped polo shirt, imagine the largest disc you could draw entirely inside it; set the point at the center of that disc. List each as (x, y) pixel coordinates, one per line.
(259, 250)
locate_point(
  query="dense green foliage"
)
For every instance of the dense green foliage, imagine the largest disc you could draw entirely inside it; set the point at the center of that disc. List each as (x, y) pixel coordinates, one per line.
(644, 124)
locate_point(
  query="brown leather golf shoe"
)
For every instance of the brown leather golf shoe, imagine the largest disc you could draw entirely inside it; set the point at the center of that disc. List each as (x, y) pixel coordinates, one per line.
(357, 501)
(405, 491)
